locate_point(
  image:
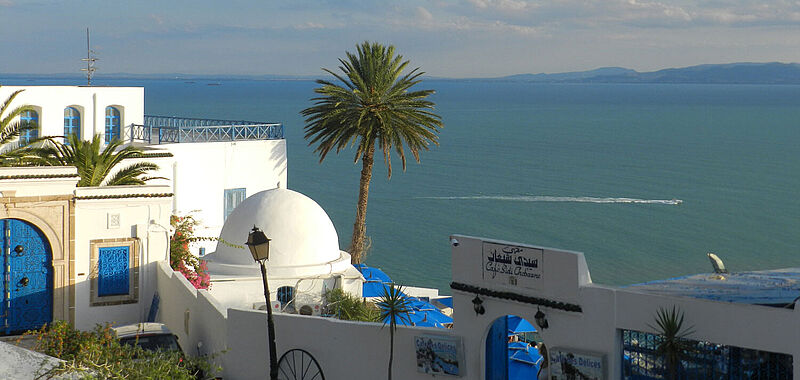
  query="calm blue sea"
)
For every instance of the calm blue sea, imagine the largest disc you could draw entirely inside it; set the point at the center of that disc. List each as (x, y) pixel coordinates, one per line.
(585, 167)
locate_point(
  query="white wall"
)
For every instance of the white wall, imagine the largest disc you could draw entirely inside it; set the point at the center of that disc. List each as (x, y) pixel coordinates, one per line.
(91, 223)
(23, 181)
(606, 311)
(50, 102)
(344, 350)
(202, 172)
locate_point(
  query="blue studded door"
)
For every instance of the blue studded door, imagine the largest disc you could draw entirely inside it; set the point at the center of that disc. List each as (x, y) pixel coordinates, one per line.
(27, 278)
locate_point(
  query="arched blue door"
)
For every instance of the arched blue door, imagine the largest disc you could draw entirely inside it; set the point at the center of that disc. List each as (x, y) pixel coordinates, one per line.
(27, 277)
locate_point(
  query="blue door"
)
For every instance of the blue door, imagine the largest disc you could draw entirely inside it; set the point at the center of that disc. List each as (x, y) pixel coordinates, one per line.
(27, 278)
(497, 350)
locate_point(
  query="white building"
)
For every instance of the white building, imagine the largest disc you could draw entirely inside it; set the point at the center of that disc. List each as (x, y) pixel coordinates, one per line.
(83, 236)
(305, 260)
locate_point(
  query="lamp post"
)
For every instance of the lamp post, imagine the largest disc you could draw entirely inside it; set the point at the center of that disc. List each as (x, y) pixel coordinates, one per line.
(258, 243)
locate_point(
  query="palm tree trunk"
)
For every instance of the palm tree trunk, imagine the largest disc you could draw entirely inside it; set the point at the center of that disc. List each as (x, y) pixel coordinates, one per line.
(391, 350)
(360, 225)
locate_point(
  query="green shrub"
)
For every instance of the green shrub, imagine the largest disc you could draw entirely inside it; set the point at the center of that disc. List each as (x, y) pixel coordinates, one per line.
(348, 307)
(99, 355)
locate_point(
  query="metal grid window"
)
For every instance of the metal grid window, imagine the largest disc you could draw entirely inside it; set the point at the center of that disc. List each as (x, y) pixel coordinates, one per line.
(702, 360)
(72, 122)
(113, 272)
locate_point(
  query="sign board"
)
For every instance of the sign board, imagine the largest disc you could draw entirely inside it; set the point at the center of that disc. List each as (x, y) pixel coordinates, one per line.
(439, 355)
(512, 265)
(568, 364)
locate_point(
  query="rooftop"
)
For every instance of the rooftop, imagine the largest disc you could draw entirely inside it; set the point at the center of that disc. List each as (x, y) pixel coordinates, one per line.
(170, 129)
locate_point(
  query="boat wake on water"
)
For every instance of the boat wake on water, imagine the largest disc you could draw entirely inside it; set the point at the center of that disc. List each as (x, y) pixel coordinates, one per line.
(546, 198)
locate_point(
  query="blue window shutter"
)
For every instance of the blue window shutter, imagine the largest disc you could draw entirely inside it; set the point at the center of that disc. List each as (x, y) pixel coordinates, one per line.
(113, 273)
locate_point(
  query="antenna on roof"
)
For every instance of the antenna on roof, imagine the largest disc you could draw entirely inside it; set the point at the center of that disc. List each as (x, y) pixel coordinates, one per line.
(90, 60)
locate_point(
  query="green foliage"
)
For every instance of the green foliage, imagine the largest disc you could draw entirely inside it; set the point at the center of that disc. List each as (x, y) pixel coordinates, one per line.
(672, 344)
(99, 355)
(10, 129)
(372, 103)
(180, 258)
(395, 307)
(94, 166)
(348, 307)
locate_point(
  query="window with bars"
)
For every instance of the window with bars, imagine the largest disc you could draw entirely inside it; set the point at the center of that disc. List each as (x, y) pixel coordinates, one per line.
(72, 122)
(232, 199)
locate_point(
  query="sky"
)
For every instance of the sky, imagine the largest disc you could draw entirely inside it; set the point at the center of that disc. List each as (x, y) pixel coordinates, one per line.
(446, 38)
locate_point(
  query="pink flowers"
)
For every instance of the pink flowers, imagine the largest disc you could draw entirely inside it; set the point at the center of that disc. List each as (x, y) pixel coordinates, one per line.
(199, 278)
(181, 259)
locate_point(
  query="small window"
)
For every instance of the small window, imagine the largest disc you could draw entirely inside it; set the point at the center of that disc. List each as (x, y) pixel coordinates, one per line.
(115, 271)
(285, 295)
(29, 118)
(232, 199)
(112, 271)
(113, 122)
(72, 122)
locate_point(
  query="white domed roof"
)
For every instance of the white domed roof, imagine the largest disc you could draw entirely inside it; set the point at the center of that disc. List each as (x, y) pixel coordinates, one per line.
(301, 232)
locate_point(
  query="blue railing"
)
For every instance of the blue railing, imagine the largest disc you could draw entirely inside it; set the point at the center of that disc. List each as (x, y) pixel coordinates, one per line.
(168, 129)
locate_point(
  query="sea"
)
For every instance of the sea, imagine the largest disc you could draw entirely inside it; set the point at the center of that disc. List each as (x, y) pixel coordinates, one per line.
(644, 179)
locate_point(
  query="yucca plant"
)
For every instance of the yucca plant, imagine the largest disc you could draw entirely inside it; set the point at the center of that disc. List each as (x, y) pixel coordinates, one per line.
(672, 344)
(394, 306)
(94, 165)
(373, 105)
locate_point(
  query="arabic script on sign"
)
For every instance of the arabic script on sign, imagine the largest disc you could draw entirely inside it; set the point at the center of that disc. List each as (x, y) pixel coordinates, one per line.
(512, 265)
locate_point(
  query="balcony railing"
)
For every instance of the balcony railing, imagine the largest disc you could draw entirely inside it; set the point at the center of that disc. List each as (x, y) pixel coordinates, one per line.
(168, 130)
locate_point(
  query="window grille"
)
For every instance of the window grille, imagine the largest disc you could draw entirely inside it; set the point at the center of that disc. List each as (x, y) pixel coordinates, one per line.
(700, 360)
(113, 272)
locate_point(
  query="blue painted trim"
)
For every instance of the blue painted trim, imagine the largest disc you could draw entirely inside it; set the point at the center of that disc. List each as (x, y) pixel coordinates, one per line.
(72, 121)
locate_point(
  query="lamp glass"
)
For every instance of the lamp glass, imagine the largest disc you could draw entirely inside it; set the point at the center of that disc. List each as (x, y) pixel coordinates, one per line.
(258, 243)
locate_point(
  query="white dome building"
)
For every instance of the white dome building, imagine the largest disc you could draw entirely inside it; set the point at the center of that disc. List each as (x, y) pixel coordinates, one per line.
(304, 261)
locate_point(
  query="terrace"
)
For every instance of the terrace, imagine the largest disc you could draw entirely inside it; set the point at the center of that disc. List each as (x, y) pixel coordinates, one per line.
(170, 130)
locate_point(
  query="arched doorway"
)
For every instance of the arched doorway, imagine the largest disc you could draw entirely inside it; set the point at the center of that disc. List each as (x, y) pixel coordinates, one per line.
(512, 350)
(27, 276)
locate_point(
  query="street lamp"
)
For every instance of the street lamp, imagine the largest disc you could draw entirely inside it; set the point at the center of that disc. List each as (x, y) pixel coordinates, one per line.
(258, 243)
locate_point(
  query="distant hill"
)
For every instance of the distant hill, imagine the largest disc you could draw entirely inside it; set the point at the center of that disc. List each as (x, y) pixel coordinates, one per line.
(730, 73)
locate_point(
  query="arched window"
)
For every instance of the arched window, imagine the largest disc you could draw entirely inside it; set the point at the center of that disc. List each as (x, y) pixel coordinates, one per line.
(112, 124)
(30, 118)
(285, 295)
(72, 122)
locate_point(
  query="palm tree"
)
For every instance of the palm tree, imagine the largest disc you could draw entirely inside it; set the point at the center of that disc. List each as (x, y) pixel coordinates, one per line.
(11, 128)
(94, 166)
(373, 105)
(672, 345)
(394, 307)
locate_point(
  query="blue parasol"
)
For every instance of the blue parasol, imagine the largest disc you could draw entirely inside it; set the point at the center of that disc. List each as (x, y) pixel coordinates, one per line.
(517, 325)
